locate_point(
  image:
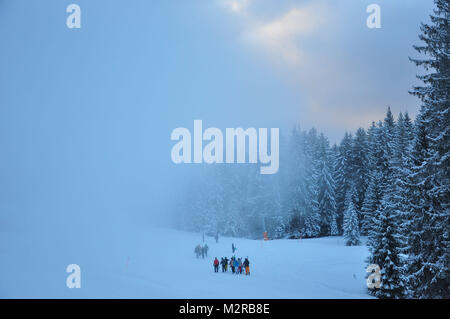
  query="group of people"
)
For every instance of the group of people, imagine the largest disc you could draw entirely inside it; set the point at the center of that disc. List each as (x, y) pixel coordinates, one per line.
(236, 264)
(201, 251)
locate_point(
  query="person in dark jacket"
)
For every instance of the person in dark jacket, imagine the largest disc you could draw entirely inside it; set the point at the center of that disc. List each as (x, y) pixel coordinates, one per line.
(216, 265)
(202, 251)
(222, 262)
(197, 251)
(206, 250)
(247, 266)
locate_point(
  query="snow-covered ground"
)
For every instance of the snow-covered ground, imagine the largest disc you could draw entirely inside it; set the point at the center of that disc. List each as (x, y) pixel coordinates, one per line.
(160, 263)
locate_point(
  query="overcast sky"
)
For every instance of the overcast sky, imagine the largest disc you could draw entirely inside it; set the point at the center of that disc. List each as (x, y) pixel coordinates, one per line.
(340, 74)
(86, 114)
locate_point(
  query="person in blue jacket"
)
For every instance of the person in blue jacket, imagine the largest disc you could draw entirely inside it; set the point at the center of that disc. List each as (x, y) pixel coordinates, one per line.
(236, 265)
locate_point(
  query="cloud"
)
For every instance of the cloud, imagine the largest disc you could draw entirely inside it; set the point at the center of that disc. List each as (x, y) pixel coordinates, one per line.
(342, 75)
(236, 6)
(279, 37)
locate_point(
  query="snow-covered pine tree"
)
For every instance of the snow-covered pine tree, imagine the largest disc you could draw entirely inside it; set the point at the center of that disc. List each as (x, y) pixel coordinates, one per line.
(343, 173)
(372, 201)
(303, 219)
(334, 151)
(255, 202)
(403, 139)
(382, 152)
(384, 204)
(383, 147)
(378, 165)
(384, 248)
(213, 202)
(196, 199)
(351, 224)
(283, 179)
(232, 223)
(372, 142)
(397, 195)
(386, 141)
(334, 231)
(273, 219)
(326, 188)
(390, 218)
(360, 167)
(416, 236)
(295, 201)
(428, 265)
(311, 223)
(309, 205)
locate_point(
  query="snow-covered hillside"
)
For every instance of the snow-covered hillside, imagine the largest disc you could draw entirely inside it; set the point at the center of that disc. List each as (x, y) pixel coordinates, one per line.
(160, 263)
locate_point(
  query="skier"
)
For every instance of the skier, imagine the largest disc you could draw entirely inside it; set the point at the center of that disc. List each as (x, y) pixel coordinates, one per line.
(202, 250)
(226, 264)
(232, 264)
(216, 265)
(206, 250)
(216, 237)
(233, 248)
(197, 251)
(240, 265)
(247, 266)
(222, 262)
(236, 265)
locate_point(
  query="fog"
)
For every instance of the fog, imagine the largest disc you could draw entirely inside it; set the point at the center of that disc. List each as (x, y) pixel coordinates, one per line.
(86, 116)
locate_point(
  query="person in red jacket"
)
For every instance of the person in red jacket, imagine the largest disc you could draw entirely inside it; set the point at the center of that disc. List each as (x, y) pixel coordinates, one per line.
(216, 264)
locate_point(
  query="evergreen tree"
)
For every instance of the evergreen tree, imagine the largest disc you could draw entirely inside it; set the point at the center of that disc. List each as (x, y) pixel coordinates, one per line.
(311, 206)
(360, 168)
(397, 196)
(297, 184)
(343, 171)
(256, 204)
(213, 202)
(389, 219)
(232, 222)
(378, 163)
(372, 202)
(351, 224)
(372, 142)
(417, 233)
(386, 141)
(428, 268)
(383, 245)
(334, 231)
(326, 188)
